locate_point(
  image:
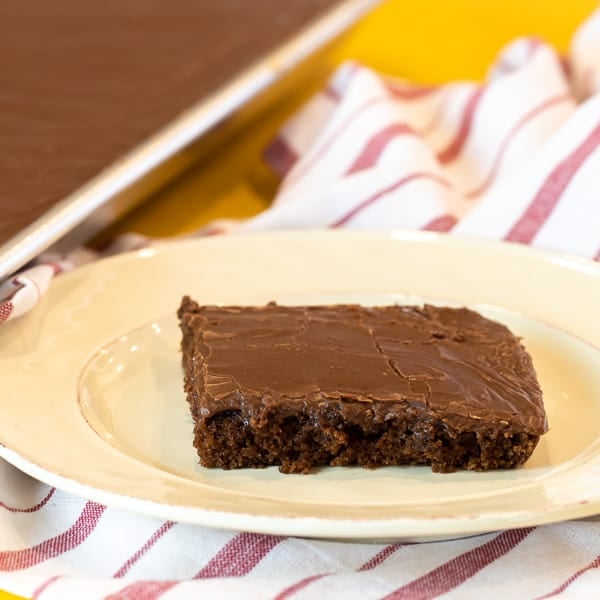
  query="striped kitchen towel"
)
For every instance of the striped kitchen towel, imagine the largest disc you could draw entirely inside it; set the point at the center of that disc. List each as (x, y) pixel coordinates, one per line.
(56, 546)
(516, 157)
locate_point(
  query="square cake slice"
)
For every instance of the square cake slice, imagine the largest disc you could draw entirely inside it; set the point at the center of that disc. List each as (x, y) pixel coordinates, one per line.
(305, 386)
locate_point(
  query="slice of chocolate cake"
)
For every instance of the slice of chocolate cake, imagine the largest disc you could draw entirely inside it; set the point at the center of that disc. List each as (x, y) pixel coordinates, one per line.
(306, 386)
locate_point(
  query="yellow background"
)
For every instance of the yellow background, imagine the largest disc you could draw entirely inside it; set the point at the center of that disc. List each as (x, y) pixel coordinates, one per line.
(424, 40)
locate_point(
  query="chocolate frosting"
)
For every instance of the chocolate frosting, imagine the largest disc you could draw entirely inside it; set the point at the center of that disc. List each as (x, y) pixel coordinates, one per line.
(451, 363)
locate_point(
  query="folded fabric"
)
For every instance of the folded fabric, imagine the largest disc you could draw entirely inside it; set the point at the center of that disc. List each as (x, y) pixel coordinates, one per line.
(515, 158)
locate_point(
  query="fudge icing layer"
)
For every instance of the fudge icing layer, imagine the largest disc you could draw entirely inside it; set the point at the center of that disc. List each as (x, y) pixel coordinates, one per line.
(450, 360)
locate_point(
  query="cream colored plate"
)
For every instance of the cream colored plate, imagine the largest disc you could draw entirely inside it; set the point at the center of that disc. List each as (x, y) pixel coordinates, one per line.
(92, 397)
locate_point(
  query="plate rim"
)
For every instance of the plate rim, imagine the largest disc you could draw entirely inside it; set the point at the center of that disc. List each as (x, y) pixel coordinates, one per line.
(302, 525)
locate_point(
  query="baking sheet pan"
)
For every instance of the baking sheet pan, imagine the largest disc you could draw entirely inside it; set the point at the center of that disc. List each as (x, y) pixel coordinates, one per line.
(74, 216)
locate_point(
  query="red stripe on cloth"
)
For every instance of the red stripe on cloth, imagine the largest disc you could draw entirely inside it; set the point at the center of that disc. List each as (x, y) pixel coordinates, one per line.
(326, 145)
(143, 590)
(299, 585)
(144, 549)
(6, 309)
(403, 181)
(15, 560)
(17, 287)
(587, 80)
(458, 570)
(534, 44)
(410, 91)
(280, 156)
(506, 67)
(515, 129)
(548, 196)
(444, 223)
(566, 65)
(331, 93)
(563, 586)
(212, 229)
(239, 556)
(44, 586)
(453, 149)
(30, 509)
(381, 556)
(503, 66)
(377, 145)
(56, 267)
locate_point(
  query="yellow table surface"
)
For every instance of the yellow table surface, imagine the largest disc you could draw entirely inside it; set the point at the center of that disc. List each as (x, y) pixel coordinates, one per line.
(424, 40)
